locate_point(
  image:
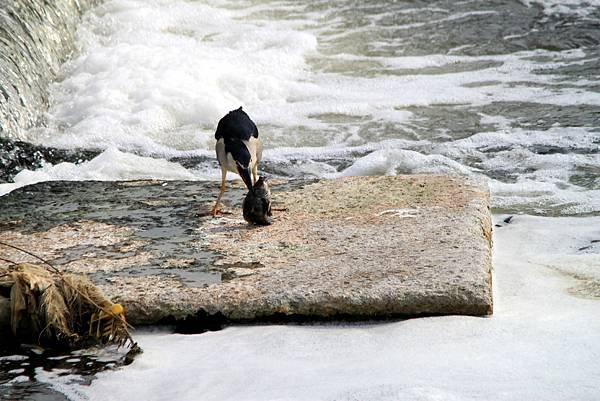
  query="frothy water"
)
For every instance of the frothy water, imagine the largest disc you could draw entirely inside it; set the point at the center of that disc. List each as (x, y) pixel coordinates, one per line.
(110, 165)
(507, 91)
(578, 7)
(27, 375)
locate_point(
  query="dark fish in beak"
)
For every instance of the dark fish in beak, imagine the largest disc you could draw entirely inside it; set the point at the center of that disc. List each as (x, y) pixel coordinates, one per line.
(245, 174)
(257, 204)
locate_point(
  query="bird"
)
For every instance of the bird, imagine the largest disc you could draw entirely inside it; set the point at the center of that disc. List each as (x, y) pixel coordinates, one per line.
(238, 149)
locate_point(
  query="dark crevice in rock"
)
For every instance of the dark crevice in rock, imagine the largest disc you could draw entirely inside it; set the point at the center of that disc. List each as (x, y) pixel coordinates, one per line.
(199, 323)
(203, 322)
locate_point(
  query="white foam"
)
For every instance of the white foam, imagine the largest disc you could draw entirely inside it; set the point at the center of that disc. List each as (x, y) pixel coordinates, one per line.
(541, 343)
(545, 197)
(542, 179)
(154, 77)
(567, 138)
(16, 380)
(157, 74)
(400, 161)
(500, 122)
(582, 8)
(14, 358)
(111, 164)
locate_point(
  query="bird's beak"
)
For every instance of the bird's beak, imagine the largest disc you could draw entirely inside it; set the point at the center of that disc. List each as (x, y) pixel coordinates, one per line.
(245, 174)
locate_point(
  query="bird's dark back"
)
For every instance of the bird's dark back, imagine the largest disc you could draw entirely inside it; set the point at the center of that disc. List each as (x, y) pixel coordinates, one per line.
(236, 125)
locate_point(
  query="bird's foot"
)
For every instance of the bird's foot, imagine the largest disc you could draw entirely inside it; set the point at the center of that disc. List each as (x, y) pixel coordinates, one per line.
(217, 211)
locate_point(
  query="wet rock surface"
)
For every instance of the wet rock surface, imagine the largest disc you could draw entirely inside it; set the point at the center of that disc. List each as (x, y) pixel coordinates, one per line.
(359, 247)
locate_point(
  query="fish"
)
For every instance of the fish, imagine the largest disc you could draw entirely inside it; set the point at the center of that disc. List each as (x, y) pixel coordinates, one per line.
(257, 204)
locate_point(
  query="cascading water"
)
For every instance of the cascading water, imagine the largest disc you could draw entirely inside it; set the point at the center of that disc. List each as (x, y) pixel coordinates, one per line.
(36, 37)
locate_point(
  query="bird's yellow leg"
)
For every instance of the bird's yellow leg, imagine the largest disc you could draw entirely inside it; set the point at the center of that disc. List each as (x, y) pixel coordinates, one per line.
(215, 209)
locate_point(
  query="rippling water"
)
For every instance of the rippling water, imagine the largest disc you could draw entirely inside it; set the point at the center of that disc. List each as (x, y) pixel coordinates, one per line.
(505, 89)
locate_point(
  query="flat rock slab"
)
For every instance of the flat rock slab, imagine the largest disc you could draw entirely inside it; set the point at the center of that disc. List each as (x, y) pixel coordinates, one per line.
(358, 247)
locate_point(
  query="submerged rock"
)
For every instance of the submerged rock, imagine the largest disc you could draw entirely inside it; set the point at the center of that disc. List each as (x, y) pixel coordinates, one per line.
(18, 155)
(358, 247)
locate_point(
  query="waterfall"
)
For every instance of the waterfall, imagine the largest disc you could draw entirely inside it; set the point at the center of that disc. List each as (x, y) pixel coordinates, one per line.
(36, 37)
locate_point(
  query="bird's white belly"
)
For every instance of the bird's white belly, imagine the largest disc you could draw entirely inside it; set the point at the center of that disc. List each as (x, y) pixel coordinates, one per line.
(226, 159)
(231, 164)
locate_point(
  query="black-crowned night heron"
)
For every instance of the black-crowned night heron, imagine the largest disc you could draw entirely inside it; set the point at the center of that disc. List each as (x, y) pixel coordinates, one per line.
(238, 149)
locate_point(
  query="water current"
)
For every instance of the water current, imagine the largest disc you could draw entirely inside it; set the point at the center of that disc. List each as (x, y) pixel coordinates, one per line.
(507, 90)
